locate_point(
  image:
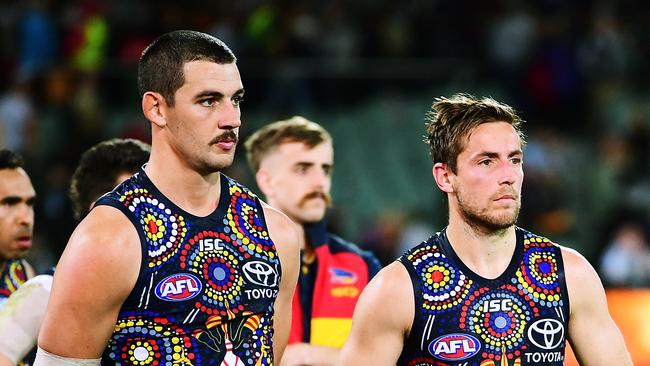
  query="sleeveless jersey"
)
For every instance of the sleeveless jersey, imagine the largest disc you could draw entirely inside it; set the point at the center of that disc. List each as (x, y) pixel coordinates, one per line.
(207, 285)
(518, 318)
(12, 275)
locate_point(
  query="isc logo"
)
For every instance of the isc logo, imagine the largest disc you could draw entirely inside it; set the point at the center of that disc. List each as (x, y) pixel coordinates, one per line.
(210, 244)
(454, 347)
(492, 305)
(178, 287)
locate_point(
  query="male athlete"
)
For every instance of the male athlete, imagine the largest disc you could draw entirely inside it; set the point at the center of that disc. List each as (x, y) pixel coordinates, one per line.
(293, 162)
(163, 269)
(101, 168)
(482, 292)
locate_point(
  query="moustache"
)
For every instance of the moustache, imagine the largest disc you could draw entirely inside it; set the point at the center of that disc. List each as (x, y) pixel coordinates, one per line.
(318, 194)
(226, 136)
(508, 192)
(23, 232)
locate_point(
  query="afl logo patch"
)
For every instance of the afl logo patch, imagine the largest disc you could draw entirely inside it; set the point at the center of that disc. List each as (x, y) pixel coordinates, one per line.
(178, 287)
(454, 347)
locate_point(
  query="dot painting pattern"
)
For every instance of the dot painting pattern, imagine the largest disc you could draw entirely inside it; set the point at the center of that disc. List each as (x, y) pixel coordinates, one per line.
(164, 231)
(211, 321)
(497, 312)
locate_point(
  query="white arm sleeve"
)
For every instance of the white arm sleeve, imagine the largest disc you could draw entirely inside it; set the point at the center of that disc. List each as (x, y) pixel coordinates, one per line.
(44, 358)
(21, 317)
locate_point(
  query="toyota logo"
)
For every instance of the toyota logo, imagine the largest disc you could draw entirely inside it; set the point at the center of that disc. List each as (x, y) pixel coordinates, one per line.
(546, 333)
(260, 273)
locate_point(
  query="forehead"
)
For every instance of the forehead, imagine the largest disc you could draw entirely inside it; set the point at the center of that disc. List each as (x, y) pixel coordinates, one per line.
(204, 74)
(15, 182)
(291, 152)
(493, 136)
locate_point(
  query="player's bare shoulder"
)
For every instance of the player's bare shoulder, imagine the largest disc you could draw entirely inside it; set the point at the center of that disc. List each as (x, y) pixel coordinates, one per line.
(285, 233)
(105, 240)
(576, 266)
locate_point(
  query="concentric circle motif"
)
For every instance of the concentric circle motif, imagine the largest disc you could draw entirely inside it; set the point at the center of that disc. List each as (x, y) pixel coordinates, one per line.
(145, 342)
(443, 286)
(499, 318)
(538, 275)
(212, 257)
(164, 231)
(242, 224)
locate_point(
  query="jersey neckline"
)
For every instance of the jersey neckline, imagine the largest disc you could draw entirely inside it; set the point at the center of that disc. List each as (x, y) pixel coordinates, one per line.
(504, 277)
(219, 211)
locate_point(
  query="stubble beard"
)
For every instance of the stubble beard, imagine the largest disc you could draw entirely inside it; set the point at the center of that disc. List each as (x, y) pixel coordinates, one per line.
(483, 220)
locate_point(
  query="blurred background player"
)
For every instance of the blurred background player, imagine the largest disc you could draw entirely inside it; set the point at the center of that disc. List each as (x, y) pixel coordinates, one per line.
(293, 163)
(100, 169)
(17, 198)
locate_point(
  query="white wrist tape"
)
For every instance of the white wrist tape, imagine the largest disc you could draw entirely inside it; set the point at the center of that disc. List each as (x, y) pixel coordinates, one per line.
(21, 317)
(44, 358)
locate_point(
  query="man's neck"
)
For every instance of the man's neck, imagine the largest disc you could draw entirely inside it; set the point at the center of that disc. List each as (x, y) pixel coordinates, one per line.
(188, 189)
(487, 253)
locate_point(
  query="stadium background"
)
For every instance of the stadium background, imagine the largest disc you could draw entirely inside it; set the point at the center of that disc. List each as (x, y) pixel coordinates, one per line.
(368, 71)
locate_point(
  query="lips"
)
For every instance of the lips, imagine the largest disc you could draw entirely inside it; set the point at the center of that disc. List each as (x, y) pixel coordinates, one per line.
(226, 141)
(226, 144)
(24, 242)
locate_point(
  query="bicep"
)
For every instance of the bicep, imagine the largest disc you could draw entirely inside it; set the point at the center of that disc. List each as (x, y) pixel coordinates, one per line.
(593, 335)
(92, 280)
(286, 238)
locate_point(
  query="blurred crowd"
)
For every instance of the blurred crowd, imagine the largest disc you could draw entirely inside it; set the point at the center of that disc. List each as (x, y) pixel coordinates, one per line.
(574, 70)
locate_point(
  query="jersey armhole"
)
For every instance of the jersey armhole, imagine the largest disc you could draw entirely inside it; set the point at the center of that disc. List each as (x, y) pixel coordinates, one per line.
(143, 255)
(562, 282)
(415, 283)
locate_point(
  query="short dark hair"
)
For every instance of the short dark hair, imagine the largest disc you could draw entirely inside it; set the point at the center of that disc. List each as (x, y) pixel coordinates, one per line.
(452, 119)
(294, 129)
(161, 65)
(10, 160)
(99, 168)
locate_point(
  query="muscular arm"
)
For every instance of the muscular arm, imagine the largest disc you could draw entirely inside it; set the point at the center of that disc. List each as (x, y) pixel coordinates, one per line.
(98, 269)
(382, 320)
(593, 334)
(287, 239)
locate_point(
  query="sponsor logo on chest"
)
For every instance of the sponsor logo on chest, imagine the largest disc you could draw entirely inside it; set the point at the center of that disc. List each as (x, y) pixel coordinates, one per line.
(547, 334)
(210, 244)
(260, 273)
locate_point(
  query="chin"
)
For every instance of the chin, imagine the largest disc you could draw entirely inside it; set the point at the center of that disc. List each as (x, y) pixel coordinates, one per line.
(312, 217)
(216, 165)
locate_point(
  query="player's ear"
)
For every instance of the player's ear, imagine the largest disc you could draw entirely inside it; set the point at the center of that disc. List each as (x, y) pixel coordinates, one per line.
(153, 107)
(263, 179)
(443, 176)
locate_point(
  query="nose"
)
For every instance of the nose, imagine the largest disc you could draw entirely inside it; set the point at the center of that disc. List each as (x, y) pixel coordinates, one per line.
(509, 173)
(230, 116)
(25, 215)
(320, 180)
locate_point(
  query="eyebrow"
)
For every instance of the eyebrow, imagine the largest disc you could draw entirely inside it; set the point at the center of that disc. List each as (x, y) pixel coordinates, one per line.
(494, 155)
(13, 200)
(217, 95)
